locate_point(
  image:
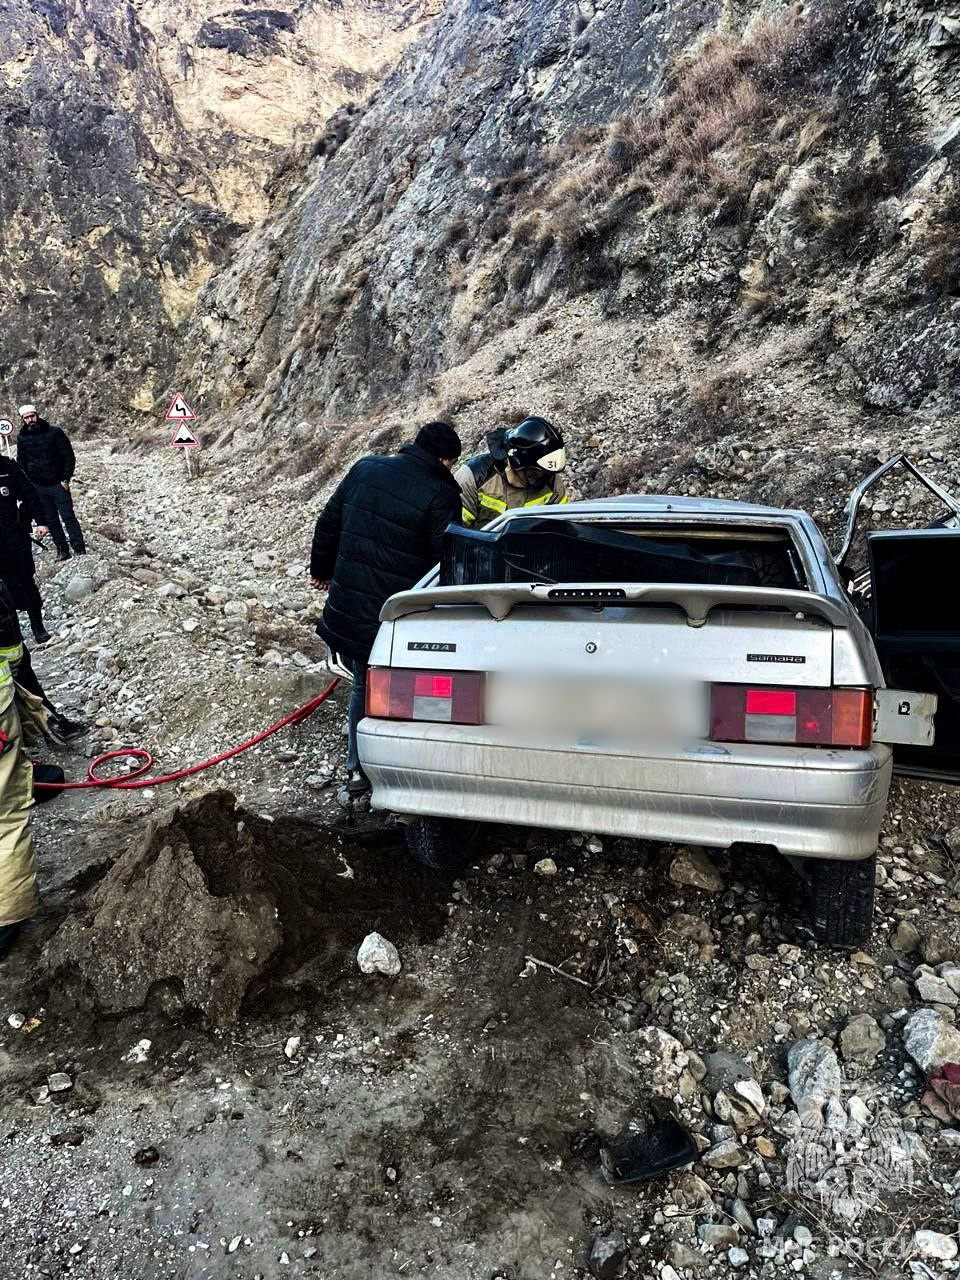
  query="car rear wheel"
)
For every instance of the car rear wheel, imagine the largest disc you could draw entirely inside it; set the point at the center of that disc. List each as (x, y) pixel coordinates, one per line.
(445, 844)
(841, 900)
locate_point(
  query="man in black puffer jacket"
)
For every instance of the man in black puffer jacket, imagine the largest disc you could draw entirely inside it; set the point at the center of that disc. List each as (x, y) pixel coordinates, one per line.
(379, 534)
(20, 505)
(46, 455)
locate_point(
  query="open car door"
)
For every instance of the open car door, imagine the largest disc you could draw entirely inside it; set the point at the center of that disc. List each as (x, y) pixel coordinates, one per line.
(915, 621)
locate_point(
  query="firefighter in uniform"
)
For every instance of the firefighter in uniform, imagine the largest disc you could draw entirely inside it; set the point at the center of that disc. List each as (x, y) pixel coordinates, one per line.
(522, 469)
(18, 876)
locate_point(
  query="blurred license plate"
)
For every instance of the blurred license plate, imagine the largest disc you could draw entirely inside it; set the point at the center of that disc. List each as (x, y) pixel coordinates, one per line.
(599, 710)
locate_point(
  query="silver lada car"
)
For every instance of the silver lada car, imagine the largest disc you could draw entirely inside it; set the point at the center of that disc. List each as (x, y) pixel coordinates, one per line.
(674, 670)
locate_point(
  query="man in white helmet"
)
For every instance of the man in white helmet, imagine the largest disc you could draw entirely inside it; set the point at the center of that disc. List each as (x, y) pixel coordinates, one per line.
(46, 455)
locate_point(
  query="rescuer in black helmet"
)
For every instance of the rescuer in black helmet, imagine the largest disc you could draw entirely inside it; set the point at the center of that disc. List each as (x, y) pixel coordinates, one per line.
(522, 469)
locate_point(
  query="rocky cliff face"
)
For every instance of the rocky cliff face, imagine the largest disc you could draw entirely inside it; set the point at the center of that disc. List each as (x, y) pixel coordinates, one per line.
(700, 235)
(135, 142)
(249, 82)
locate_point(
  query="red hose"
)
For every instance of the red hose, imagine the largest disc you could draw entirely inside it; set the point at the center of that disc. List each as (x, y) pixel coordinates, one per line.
(127, 783)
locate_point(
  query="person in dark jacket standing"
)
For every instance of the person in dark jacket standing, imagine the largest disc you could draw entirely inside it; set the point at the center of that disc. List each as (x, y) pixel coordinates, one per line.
(46, 455)
(379, 534)
(20, 506)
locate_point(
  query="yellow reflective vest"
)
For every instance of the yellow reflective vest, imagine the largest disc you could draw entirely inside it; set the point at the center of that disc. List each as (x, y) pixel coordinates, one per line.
(485, 493)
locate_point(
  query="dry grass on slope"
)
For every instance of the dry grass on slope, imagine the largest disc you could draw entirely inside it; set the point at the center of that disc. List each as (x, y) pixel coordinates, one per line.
(719, 128)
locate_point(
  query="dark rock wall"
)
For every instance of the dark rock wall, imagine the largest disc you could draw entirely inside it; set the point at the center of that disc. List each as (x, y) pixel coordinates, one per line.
(127, 169)
(760, 167)
(107, 219)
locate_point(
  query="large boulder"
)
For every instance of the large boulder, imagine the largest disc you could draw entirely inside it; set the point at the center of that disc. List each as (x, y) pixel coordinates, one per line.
(930, 1040)
(167, 921)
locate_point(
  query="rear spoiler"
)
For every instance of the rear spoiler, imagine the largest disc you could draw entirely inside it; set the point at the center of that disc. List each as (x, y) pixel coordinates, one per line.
(499, 599)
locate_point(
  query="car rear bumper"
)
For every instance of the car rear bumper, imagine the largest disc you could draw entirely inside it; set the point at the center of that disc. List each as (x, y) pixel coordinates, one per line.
(807, 801)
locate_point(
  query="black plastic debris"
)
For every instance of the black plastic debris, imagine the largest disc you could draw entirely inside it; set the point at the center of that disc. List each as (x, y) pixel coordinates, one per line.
(639, 1153)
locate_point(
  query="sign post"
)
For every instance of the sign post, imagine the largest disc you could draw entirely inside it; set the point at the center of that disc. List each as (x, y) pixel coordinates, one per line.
(181, 413)
(6, 429)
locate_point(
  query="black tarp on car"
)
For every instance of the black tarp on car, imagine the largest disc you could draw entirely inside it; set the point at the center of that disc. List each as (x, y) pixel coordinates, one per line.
(553, 550)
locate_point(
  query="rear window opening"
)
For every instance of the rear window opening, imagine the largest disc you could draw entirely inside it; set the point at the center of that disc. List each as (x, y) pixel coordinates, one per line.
(565, 551)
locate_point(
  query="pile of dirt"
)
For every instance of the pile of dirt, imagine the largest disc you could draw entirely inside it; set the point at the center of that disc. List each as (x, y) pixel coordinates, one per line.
(215, 904)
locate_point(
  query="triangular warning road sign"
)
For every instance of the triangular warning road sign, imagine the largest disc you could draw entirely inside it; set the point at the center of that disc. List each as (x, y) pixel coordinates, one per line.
(180, 411)
(184, 438)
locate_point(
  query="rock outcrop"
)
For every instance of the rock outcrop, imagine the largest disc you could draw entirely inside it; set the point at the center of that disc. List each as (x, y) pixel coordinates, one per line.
(137, 140)
(682, 229)
(248, 83)
(717, 241)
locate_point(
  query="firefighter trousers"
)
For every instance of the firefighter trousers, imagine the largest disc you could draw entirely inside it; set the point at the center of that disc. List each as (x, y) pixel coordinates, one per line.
(18, 874)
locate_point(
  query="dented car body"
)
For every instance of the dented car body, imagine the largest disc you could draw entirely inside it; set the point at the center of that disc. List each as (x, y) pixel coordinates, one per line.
(664, 668)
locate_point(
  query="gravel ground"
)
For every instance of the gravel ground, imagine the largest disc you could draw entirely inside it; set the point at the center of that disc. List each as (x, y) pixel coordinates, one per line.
(350, 1125)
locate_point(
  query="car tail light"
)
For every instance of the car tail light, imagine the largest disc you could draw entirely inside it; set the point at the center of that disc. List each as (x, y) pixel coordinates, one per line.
(454, 697)
(806, 717)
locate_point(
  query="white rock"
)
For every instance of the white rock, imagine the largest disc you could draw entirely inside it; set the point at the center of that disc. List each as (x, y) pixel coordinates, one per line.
(140, 1051)
(858, 1111)
(814, 1075)
(936, 990)
(737, 1257)
(545, 867)
(234, 1244)
(736, 1111)
(930, 1040)
(751, 1092)
(669, 1055)
(59, 1082)
(292, 1047)
(16, 1020)
(190, 624)
(933, 1244)
(78, 588)
(378, 955)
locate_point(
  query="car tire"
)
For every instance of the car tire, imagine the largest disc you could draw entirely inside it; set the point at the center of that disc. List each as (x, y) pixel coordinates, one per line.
(841, 900)
(444, 844)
